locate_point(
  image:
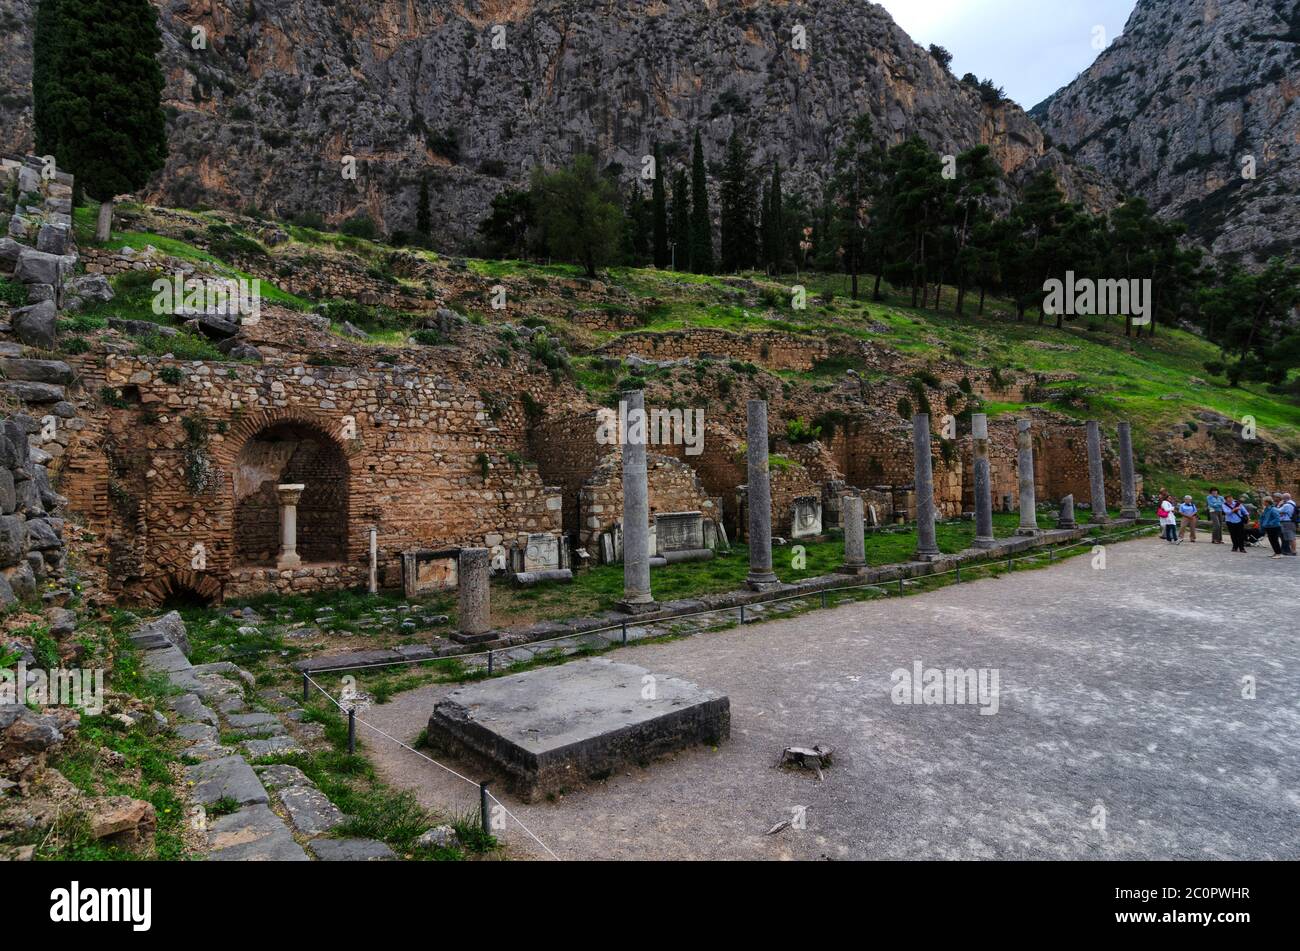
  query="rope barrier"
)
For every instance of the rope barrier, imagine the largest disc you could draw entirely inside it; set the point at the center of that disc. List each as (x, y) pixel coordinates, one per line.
(442, 766)
(796, 596)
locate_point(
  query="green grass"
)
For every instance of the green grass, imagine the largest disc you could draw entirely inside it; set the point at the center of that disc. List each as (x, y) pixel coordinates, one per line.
(84, 221)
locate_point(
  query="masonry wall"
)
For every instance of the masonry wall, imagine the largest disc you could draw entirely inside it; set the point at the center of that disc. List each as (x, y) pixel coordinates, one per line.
(423, 463)
(673, 487)
(776, 351)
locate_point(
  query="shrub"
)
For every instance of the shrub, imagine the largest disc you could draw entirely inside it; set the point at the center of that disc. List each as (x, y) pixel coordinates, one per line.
(359, 226)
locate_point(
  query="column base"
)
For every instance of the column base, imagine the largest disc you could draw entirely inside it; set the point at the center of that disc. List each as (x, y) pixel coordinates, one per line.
(989, 542)
(637, 607)
(1029, 532)
(762, 581)
(1066, 526)
(1099, 520)
(285, 562)
(1128, 514)
(852, 569)
(460, 637)
(928, 555)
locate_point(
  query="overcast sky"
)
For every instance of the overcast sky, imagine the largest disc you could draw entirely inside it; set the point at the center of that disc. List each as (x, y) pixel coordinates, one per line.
(1031, 47)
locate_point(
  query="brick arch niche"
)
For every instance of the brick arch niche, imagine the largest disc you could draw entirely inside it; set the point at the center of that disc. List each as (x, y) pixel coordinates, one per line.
(289, 452)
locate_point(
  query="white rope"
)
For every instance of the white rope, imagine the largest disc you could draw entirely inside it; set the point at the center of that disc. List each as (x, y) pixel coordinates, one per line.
(442, 766)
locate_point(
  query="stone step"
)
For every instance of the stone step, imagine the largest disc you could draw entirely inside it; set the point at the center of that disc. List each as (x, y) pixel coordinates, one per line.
(310, 810)
(230, 777)
(36, 371)
(253, 834)
(351, 850)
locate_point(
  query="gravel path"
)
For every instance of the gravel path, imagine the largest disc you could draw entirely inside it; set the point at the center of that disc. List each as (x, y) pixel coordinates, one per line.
(1120, 699)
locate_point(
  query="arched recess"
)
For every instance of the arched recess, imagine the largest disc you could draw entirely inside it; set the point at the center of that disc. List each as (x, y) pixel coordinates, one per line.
(182, 588)
(288, 449)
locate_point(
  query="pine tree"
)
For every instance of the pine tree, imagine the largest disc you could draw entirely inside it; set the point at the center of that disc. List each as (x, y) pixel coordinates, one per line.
(737, 212)
(701, 220)
(579, 212)
(681, 239)
(853, 191)
(423, 219)
(659, 208)
(100, 99)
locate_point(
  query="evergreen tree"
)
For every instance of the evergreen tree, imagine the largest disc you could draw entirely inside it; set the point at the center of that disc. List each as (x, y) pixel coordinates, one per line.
(659, 206)
(681, 234)
(579, 213)
(776, 254)
(638, 243)
(853, 191)
(701, 220)
(505, 229)
(101, 88)
(737, 212)
(43, 42)
(976, 182)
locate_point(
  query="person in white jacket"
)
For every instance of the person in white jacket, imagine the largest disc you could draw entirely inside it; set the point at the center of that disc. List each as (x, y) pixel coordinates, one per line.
(1168, 520)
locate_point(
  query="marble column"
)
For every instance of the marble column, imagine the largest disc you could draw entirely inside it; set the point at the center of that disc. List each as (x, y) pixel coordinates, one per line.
(636, 509)
(979, 427)
(759, 497)
(373, 585)
(855, 546)
(926, 546)
(1066, 518)
(1096, 475)
(1025, 465)
(1128, 479)
(289, 496)
(474, 594)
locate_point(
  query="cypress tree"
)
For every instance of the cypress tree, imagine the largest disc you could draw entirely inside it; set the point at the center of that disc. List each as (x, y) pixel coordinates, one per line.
(659, 207)
(737, 213)
(776, 219)
(100, 100)
(701, 221)
(43, 46)
(681, 254)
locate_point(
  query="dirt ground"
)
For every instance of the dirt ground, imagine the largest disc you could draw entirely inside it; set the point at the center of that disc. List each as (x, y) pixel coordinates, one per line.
(1123, 729)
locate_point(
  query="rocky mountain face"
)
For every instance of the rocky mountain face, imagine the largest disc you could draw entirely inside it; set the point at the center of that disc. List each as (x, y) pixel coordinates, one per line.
(1192, 95)
(474, 93)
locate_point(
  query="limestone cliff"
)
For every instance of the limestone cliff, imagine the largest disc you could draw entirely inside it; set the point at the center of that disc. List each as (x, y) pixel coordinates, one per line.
(474, 93)
(1176, 105)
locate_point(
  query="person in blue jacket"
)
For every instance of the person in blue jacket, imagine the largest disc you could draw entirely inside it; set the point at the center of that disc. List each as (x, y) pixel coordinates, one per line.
(1270, 522)
(1189, 517)
(1236, 515)
(1214, 512)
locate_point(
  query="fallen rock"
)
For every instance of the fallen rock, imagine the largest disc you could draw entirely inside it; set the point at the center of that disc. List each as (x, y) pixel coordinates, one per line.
(169, 627)
(35, 325)
(123, 819)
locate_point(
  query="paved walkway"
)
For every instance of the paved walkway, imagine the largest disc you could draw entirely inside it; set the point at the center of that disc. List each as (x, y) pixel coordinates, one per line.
(1120, 699)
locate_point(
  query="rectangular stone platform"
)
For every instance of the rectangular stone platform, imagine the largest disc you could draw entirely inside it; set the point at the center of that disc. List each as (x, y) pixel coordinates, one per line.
(553, 729)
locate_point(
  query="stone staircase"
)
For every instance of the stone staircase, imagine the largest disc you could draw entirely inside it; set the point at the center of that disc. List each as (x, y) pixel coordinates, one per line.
(275, 812)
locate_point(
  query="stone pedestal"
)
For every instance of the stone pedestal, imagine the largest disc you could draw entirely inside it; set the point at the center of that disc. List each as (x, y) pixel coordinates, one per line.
(289, 496)
(636, 510)
(1066, 518)
(926, 546)
(1096, 475)
(759, 495)
(855, 547)
(1025, 466)
(474, 622)
(983, 482)
(1128, 478)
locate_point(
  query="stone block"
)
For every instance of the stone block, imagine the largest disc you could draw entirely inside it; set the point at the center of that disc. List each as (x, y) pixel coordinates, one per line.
(558, 727)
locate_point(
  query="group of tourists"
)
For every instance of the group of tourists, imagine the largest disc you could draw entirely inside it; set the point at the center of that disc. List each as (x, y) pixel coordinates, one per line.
(1277, 521)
